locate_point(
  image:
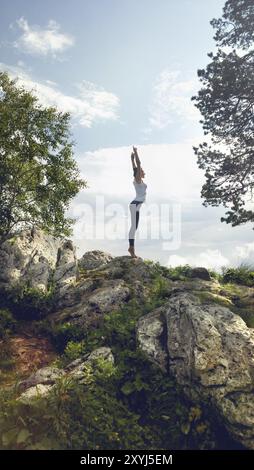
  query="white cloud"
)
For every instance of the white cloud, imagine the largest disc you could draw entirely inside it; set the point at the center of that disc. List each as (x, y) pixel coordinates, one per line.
(172, 98)
(212, 259)
(244, 253)
(92, 104)
(38, 41)
(102, 101)
(176, 260)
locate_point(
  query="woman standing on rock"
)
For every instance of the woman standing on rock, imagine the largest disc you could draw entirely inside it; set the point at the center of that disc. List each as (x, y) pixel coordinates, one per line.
(135, 205)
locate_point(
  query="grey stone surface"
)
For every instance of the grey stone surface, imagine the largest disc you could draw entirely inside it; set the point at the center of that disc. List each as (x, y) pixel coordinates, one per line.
(210, 351)
(36, 259)
(94, 259)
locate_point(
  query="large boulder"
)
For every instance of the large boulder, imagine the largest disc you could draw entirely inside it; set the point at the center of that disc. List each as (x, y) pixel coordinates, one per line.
(36, 259)
(210, 352)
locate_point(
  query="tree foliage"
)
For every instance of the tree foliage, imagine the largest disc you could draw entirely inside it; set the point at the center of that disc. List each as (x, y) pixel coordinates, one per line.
(38, 174)
(226, 102)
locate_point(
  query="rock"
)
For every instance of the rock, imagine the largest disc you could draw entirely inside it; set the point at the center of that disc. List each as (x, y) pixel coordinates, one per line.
(31, 258)
(42, 382)
(28, 257)
(209, 350)
(88, 310)
(66, 266)
(201, 273)
(70, 294)
(77, 362)
(196, 284)
(32, 393)
(109, 296)
(77, 371)
(103, 353)
(45, 375)
(131, 270)
(94, 259)
(151, 336)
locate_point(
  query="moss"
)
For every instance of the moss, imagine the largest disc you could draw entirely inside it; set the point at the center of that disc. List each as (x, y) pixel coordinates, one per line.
(207, 296)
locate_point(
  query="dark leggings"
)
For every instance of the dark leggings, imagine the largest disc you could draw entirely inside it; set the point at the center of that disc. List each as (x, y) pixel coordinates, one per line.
(134, 209)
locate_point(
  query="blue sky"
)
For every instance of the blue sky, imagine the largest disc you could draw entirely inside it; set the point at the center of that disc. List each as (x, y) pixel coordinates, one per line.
(126, 70)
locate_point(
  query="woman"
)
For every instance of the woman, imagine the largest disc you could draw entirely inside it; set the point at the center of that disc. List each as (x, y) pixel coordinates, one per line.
(135, 205)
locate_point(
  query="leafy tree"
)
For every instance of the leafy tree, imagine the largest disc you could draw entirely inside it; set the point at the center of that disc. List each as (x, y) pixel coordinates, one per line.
(38, 174)
(226, 102)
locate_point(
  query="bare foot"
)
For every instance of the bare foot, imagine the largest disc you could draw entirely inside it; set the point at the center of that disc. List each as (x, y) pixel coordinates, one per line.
(132, 252)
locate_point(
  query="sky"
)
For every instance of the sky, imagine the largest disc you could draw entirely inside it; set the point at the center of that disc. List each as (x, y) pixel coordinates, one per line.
(126, 71)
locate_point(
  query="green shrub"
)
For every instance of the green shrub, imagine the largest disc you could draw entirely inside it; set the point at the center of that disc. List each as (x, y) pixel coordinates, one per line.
(215, 274)
(73, 350)
(74, 416)
(244, 275)
(29, 303)
(180, 272)
(59, 333)
(175, 273)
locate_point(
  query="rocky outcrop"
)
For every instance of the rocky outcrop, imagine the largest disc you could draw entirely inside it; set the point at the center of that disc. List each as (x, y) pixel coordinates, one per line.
(66, 270)
(210, 352)
(43, 380)
(94, 259)
(88, 309)
(102, 289)
(193, 335)
(37, 259)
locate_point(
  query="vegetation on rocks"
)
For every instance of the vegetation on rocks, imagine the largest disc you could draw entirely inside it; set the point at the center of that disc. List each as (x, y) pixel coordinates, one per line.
(130, 404)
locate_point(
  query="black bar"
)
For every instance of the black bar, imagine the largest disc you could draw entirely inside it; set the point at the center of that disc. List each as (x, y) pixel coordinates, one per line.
(133, 458)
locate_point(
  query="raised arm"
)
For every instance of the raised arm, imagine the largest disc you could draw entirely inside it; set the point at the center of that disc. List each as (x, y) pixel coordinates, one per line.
(138, 174)
(133, 161)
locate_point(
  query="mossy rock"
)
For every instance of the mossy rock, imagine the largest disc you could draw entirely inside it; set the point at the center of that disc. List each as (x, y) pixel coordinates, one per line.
(207, 296)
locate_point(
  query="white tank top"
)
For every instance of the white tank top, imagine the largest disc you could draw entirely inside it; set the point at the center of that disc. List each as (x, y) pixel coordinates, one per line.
(140, 191)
